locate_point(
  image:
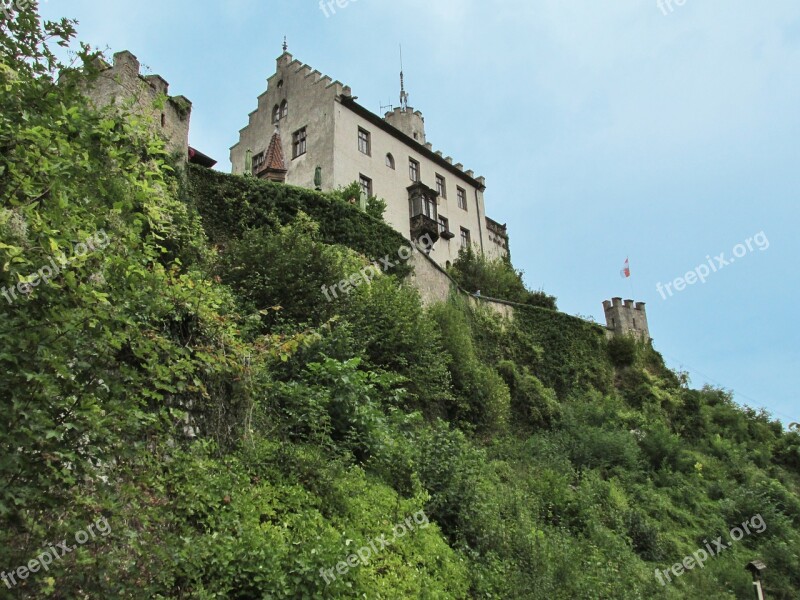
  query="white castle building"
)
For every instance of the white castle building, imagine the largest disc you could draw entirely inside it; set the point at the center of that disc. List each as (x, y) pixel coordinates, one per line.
(309, 131)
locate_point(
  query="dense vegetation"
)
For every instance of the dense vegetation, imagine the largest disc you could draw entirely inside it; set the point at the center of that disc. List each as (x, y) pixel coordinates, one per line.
(495, 278)
(243, 436)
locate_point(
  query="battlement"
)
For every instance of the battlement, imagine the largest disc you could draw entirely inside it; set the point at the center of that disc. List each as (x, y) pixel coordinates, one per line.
(409, 121)
(123, 82)
(628, 318)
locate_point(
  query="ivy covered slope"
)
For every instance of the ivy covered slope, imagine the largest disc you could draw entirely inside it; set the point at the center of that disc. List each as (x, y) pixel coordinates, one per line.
(184, 378)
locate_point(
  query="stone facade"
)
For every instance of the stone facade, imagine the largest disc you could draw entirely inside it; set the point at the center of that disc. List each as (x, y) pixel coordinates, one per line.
(122, 83)
(301, 99)
(629, 318)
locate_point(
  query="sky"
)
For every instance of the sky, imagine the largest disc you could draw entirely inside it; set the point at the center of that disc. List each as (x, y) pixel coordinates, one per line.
(667, 134)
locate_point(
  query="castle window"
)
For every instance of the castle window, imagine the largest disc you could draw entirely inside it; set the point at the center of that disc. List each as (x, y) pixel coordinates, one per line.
(276, 114)
(366, 185)
(284, 109)
(422, 204)
(258, 160)
(390, 161)
(462, 198)
(634, 323)
(280, 84)
(441, 186)
(364, 142)
(413, 169)
(443, 225)
(299, 142)
(464, 238)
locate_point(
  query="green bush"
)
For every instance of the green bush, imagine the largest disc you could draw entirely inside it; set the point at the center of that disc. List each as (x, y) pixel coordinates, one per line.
(484, 398)
(664, 450)
(285, 275)
(566, 353)
(495, 278)
(230, 205)
(396, 334)
(532, 403)
(622, 350)
(352, 194)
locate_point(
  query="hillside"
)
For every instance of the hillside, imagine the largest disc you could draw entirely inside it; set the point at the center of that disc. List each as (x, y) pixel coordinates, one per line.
(177, 379)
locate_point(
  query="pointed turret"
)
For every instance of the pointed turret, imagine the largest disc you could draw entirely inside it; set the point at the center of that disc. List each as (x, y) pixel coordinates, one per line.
(271, 164)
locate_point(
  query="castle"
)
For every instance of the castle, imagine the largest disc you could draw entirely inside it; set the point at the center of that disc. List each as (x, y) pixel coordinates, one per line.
(308, 130)
(329, 141)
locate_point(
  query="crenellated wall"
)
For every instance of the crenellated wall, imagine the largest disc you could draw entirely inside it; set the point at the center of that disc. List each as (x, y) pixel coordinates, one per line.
(628, 318)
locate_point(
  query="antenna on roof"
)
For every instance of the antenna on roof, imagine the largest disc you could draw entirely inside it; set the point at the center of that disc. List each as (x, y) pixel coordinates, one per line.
(403, 93)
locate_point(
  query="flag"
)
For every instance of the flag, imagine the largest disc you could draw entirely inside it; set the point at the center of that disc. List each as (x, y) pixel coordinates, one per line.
(626, 272)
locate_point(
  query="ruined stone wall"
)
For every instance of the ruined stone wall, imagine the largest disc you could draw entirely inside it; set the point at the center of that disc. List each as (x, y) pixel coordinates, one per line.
(122, 83)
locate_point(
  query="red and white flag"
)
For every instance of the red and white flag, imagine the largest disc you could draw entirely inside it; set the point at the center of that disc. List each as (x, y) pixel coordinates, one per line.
(626, 272)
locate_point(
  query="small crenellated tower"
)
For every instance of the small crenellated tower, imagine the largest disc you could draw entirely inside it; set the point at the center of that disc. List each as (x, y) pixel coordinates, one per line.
(629, 318)
(409, 121)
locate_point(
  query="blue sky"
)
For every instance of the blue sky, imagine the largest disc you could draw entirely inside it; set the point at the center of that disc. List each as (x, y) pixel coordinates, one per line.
(604, 129)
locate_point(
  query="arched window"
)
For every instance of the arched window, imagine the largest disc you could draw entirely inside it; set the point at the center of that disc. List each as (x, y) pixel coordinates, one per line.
(390, 161)
(280, 84)
(276, 114)
(284, 109)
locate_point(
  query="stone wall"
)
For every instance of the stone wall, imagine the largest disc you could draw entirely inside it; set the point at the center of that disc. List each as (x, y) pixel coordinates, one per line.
(435, 285)
(310, 100)
(122, 84)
